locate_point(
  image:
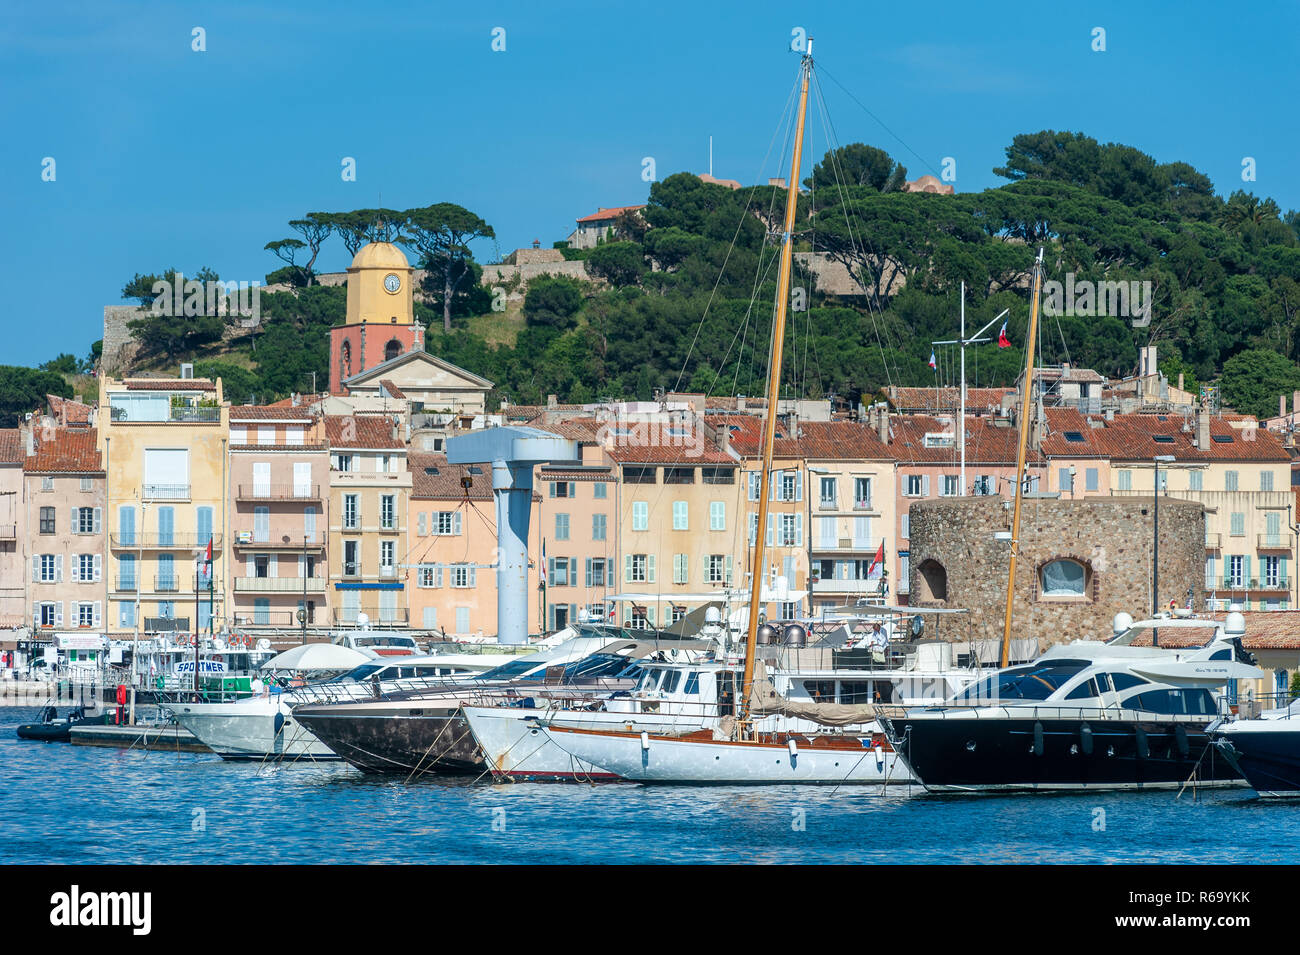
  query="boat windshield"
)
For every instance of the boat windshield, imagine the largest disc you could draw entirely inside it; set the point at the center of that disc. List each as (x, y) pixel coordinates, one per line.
(589, 668)
(512, 670)
(364, 671)
(1033, 682)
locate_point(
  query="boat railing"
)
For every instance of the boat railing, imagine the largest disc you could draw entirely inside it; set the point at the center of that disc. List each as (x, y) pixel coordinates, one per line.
(1252, 705)
(1044, 711)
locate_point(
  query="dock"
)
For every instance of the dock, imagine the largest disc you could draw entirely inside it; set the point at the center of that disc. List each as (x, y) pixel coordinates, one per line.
(167, 738)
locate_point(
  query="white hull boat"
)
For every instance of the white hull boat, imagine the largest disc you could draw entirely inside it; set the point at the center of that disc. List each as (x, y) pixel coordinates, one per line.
(515, 747)
(256, 728)
(698, 759)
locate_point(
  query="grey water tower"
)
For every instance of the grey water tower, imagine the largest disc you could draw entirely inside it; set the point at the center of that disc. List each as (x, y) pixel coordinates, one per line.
(512, 453)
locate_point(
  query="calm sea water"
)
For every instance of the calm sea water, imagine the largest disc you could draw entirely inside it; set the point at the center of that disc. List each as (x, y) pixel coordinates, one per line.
(75, 804)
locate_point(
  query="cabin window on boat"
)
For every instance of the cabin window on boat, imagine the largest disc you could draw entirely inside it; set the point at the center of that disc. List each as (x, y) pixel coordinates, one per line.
(672, 680)
(1022, 683)
(1063, 578)
(932, 582)
(692, 683)
(820, 691)
(1196, 702)
(649, 679)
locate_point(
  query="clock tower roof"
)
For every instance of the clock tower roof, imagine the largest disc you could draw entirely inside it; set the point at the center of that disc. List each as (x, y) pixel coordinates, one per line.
(380, 255)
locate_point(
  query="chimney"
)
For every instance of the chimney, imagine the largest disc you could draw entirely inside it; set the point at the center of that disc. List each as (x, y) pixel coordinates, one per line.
(882, 424)
(1180, 382)
(1203, 429)
(1295, 403)
(29, 439)
(552, 401)
(1281, 406)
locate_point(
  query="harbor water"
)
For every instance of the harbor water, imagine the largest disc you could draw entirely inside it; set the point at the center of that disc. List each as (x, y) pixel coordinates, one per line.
(85, 805)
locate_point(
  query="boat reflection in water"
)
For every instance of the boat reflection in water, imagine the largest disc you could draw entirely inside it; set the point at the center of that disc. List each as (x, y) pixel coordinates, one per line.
(1084, 715)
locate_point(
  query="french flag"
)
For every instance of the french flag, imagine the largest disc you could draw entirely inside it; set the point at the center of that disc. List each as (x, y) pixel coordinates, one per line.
(933, 364)
(1003, 341)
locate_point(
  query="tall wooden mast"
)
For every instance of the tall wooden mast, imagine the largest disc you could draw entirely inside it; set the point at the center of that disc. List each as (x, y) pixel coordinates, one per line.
(1026, 403)
(773, 387)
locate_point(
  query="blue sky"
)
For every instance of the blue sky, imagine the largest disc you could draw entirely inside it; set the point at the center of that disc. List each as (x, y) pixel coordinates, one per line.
(169, 157)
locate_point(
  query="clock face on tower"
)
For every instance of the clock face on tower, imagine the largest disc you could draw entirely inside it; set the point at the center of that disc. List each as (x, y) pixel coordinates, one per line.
(392, 283)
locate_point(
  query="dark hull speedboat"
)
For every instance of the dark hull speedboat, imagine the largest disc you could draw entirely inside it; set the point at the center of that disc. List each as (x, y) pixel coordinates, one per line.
(407, 737)
(1266, 752)
(1010, 754)
(53, 729)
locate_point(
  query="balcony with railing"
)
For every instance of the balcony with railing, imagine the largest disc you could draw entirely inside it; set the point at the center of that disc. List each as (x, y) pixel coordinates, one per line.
(392, 616)
(281, 618)
(278, 492)
(1273, 541)
(862, 546)
(154, 541)
(166, 583)
(166, 492)
(126, 584)
(1267, 582)
(280, 585)
(8, 532)
(247, 540)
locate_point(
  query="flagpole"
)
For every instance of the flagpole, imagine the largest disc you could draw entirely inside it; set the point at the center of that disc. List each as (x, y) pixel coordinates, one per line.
(961, 414)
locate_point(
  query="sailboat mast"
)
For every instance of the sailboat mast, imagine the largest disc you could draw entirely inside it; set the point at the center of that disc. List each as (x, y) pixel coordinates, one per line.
(961, 412)
(774, 387)
(1025, 404)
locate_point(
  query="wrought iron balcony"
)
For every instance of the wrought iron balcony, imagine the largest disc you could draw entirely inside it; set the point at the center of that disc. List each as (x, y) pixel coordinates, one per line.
(278, 492)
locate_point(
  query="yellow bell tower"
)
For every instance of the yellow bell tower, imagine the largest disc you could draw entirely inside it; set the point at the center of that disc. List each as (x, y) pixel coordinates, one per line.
(379, 286)
(380, 324)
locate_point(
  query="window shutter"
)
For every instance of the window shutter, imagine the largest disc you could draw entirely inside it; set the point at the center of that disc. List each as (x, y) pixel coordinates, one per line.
(587, 572)
(420, 524)
(455, 523)
(798, 485)
(773, 479)
(573, 571)
(753, 529)
(769, 530)
(72, 523)
(550, 571)
(36, 568)
(99, 517)
(99, 609)
(798, 530)
(627, 568)
(58, 568)
(1245, 570)
(473, 575)
(650, 569)
(573, 489)
(58, 613)
(437, 576)
(728, 572)
(1281, 565)
(99, 566)
(925, 485)
(551, 489)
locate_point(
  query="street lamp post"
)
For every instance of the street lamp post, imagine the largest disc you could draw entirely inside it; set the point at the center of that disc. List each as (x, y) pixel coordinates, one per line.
(1155, 558)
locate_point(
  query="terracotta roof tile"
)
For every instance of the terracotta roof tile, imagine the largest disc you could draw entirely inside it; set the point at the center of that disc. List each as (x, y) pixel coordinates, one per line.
(67, 450)
(987, 442)
(611, 213)
(1265, 630)
(69, 411)
(270, 413)
(947, 399)
(1132, 437)
(361, 431)
(433, 479)
(170, 384)
(643, 442)
(392, 389)
(11, 446)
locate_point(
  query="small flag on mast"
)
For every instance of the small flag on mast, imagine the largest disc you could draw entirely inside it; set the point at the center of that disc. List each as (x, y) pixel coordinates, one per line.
(878, 560)
(1003, 341)
(933, 363)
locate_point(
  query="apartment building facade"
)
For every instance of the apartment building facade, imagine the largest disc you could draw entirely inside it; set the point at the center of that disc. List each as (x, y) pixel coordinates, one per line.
(164, 445)
(1240, 473)
(279, 479)
(450, 571)
(13, 531)
(368, 508)
(63, 505)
